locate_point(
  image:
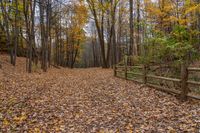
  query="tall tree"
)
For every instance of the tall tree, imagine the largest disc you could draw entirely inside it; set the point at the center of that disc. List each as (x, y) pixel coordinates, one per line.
(132, 49)
(6, 9)
(29, 15)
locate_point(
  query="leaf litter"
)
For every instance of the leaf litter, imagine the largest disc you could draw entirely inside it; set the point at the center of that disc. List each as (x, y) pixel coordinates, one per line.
(87, 100)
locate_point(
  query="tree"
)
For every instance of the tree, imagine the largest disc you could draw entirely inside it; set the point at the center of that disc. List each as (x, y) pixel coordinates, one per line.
(29, 15)
(6, 15)
(132, 50)
(98, 10)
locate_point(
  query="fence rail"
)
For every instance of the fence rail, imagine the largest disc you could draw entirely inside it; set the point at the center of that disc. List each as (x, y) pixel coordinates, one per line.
(194, 69)
(183, 81)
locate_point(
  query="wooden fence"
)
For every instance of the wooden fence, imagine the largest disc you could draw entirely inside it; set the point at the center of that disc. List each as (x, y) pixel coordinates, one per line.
(183, 81)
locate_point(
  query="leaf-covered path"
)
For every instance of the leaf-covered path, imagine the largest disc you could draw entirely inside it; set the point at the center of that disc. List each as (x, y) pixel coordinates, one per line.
(87, 100)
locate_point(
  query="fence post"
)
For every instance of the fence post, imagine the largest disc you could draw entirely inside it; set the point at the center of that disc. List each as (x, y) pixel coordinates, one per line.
(115, 72)
(144, 74)
(184, 79)
(125, 62)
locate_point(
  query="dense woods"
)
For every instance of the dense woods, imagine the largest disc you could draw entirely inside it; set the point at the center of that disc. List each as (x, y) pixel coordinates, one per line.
(95, 33)
(45, 32)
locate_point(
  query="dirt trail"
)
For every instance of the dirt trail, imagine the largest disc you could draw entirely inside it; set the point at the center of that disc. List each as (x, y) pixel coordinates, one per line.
(87, 100)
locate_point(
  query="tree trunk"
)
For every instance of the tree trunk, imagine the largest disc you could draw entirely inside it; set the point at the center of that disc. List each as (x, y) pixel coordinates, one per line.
(16, 32)
(138, 28)
(131, 49)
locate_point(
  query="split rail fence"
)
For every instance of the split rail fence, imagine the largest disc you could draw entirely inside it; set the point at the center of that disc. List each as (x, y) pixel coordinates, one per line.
(184, 82)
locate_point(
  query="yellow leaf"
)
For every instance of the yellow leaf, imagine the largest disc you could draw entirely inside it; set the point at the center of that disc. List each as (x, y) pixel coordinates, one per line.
(192, 9)
(20, 118)
(6, 122)
(36, 130)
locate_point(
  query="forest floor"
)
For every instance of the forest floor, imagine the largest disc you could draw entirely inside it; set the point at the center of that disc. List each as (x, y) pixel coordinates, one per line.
(87, 100)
